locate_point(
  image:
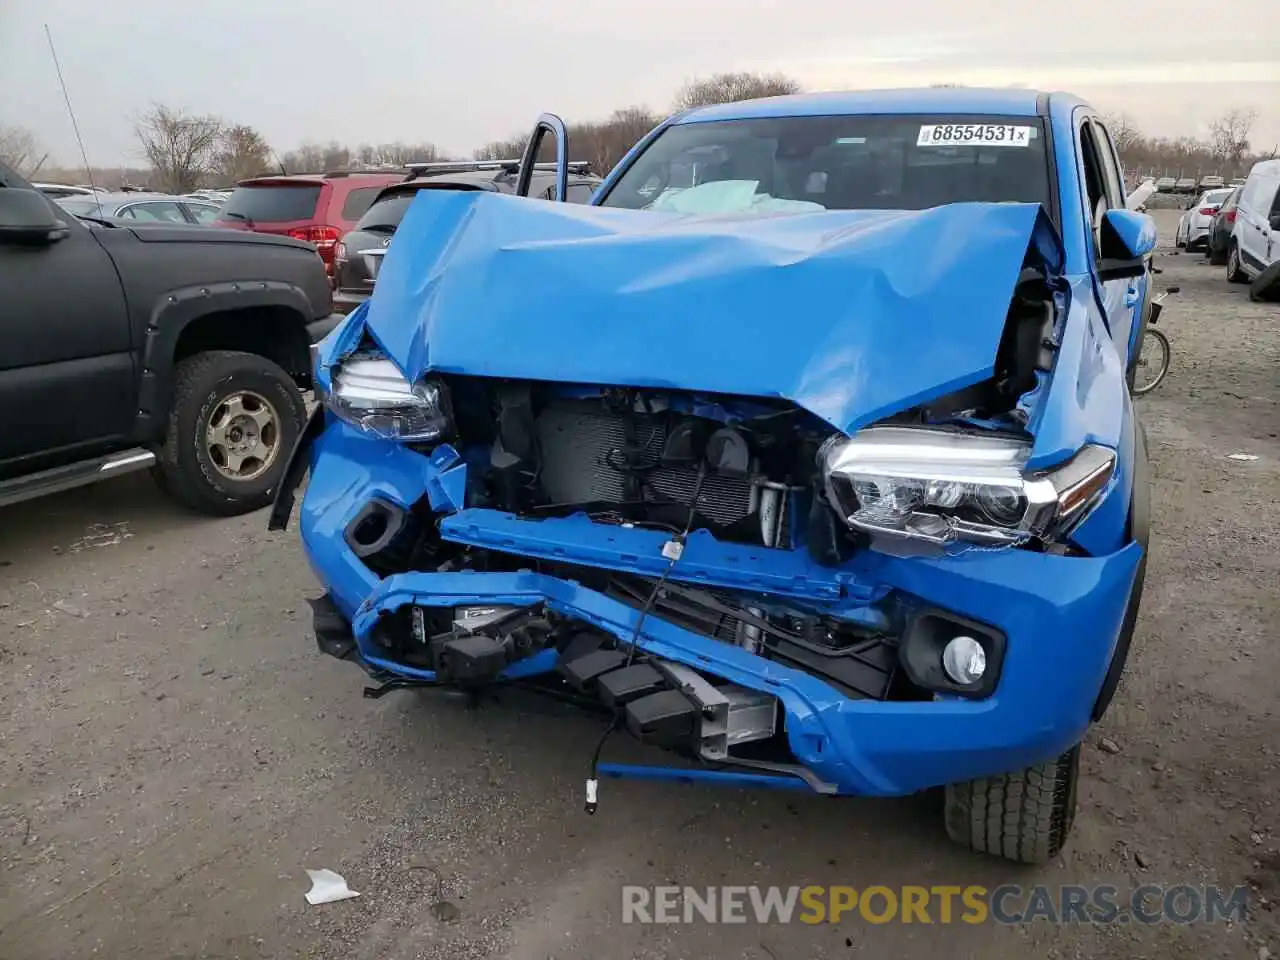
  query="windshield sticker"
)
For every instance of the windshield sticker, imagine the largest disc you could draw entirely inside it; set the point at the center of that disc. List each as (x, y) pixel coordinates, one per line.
(973, 135)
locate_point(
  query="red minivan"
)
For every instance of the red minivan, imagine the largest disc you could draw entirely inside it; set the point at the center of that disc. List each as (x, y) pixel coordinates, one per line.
(318, 208)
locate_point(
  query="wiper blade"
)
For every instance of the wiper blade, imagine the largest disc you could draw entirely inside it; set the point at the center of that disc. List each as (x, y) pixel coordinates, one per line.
(233, 215)
(102, 220)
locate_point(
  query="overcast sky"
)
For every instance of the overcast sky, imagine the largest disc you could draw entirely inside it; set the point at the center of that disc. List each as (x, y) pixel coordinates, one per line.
(462, 72)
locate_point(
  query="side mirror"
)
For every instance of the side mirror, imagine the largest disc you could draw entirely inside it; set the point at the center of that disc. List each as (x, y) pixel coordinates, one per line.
(547, 123)
(1127, 240)
(26, 217)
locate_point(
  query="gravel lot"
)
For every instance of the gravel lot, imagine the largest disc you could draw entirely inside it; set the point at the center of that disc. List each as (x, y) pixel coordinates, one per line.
(174, 753)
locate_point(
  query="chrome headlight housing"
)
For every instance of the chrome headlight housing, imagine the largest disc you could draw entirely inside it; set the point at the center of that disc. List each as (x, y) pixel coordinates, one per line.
(940, 486)
(369, 392)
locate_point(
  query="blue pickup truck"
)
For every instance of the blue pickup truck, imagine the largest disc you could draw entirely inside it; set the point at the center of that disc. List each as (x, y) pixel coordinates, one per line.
(805, 452)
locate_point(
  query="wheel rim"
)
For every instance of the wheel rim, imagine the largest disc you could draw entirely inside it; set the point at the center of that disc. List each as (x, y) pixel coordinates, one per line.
(243, 436)
(1153, 363)
(1233, 261)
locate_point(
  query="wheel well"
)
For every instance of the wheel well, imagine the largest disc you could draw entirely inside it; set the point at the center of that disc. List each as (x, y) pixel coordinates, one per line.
(277, 333)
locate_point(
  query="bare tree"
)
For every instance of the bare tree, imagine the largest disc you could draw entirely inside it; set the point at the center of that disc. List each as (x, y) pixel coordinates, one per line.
(241, 152)
(19, 149)
(179, 146)
(308, 158)
(728, 87)
(1229, 134)
(324, 158)
(336, 157)
(600, 143)
(513, 148)
(603, 144)
(1124, 131)
(398, 154)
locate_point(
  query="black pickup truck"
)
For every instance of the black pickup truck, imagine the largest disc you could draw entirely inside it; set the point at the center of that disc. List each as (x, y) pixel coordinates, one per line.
(182, 349)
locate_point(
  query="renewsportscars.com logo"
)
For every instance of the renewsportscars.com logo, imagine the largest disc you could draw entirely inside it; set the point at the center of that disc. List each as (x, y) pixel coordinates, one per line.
(1008, 904)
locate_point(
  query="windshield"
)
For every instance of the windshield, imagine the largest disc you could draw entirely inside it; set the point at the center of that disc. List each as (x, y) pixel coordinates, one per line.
(385, 215)
(837, 163)
(389, 209)
(87, 207)
(272, 203)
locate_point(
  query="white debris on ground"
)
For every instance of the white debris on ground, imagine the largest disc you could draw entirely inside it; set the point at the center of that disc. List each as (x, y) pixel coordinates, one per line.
(328, 887)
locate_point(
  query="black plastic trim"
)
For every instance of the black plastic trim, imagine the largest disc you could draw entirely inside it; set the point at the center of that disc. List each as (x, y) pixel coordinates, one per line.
(396, 517)
(920, 653)
(175, 310)
(1043, 111)
(296, 468)
(1140, 531)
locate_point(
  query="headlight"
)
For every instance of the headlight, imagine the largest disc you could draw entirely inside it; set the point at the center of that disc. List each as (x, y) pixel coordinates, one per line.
(942, 486)
(370, 393)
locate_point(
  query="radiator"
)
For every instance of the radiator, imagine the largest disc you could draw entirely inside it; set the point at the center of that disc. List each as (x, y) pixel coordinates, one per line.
(579, 440)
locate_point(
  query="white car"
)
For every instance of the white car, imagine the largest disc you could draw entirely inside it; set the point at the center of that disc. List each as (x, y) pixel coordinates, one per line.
(1194, 227)
(56, 190)
(1255, 238)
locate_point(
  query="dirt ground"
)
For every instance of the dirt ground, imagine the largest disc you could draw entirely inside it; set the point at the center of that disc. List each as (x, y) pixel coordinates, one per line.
(174, 752)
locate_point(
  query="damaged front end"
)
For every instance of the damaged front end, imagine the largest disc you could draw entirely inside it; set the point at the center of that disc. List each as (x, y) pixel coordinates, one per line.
(809, 550)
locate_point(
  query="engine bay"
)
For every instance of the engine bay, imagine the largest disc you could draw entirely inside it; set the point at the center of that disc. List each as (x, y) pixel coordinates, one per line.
(738, 469)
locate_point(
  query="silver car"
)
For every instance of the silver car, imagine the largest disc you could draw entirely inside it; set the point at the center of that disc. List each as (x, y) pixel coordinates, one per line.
(1193, 228)
(148, 207)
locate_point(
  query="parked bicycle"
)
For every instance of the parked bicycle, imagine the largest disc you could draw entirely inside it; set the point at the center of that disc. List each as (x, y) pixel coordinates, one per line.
(1154, 352)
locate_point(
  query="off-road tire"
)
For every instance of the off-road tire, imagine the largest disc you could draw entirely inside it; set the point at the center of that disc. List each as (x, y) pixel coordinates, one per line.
(185, 470)
(1235, 274)
(1023, 816)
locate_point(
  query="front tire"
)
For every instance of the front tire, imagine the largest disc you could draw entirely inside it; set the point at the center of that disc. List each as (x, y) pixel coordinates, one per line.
(235, 418)
(1025, 816)
(1235, 272)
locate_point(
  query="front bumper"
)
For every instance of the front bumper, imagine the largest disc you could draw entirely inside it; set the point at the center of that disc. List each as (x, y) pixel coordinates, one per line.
(1061, 617)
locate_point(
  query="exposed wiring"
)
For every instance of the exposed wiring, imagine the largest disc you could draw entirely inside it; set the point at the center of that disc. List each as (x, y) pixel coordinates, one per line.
(674, 555)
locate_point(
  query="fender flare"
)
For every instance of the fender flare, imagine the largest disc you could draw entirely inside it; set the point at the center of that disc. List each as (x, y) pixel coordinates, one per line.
(1140, 533)
(175, 311)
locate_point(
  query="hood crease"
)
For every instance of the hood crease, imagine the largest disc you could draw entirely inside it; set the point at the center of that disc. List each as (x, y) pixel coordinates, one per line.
(852, 315)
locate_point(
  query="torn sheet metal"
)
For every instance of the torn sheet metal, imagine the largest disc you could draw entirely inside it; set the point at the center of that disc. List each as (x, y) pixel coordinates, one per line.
(852, 315)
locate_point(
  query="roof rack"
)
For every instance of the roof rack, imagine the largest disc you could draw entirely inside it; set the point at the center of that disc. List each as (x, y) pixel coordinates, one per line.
(325, 174)
(358, 172)
(418, 168)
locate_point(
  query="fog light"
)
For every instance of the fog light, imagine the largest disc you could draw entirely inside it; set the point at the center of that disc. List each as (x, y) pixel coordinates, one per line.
(964, 660)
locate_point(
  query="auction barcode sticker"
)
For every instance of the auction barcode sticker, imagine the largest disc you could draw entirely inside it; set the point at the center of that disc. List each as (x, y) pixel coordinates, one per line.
(973, 135)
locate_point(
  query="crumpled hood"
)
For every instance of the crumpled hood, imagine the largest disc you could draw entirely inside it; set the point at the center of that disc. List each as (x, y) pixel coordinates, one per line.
(853, 315)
